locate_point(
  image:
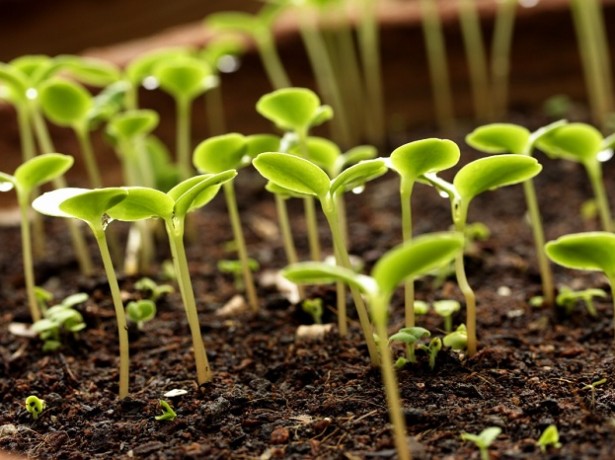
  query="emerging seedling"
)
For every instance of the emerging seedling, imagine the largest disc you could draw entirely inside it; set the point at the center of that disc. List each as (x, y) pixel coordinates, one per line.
(434, 347)
(549, 437)
(567, 299)
(167, 412)
(313, 307)
(592, 388)
(27, 177)
(151, 289)
(586, 251)
(409, 336)
(91, 206)
(59, 318)
(141, 311)
(35, 406)
(446, 309)
(411, 259)
(458, 339)
(483, 440)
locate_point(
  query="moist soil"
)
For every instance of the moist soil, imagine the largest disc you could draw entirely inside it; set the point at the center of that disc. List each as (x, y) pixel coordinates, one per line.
(276, 396)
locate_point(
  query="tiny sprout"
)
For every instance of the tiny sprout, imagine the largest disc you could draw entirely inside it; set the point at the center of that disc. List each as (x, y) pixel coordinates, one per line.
(235, 268)
(410, 336)
(313, 307)
(167, 411)
(446, 308)
(483, 440)
(61, 317)
(434, 347)
(141, 311)
(151, 290)
(420, 307)
(458, 339)
(567, 299)
(35, 406)
(592, 387)
(549, 437)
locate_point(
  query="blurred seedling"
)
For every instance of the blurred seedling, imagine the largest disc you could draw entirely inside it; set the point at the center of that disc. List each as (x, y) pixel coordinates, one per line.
(59, 319)
(446, 309)
(410, 336)
(592, 388)
(35, 406)
(458, 339)
(152, 290)
(141, 311)
(168, 414)
(432, 349)
(313, 307)
(483, 440)
(235, 268)
(549, 437)
(568, 299)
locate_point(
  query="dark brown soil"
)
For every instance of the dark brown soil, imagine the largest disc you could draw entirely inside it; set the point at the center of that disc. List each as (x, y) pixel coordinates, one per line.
(275, 397)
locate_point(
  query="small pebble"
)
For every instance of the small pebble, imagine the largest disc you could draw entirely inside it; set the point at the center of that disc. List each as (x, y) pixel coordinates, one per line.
(279, 435)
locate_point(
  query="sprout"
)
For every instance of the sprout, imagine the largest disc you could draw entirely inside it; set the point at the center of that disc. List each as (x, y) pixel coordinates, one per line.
(446, 309)
(141, 311)
(549, 437)
(410, 336)
(434, 347)
(567, 298)
(592, 388)
(35, 406)
(59, 318)
(458, 339)
(151, 289)
(167, 411)
(483, 440)
(420, 307)
(313, 307)
(235, 268)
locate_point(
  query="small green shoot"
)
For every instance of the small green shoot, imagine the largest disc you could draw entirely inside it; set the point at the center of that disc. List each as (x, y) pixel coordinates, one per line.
(410, 336)
(434, 347)
(483, 440)
(567, 299)
(168, 414)
(151, 290)
(592, 388)
(35, 406)
(458, 339)
(235, 268)
(313, 307)
(549, 437)
(421, 307)
(58, 319)
(140, 311)
(446, 308)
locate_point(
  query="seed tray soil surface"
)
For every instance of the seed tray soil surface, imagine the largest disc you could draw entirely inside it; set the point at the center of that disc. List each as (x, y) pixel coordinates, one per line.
(274, 396)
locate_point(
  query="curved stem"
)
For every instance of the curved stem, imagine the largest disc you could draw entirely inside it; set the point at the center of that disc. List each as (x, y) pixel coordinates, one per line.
(594, 171)
(85, 144)
(26, 249)
(406, 227)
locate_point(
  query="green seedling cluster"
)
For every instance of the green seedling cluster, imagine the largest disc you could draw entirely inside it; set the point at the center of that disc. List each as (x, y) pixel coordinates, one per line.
(58, 319)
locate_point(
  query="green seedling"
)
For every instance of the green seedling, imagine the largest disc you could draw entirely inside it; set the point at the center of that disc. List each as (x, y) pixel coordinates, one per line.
(593, 251)
(60, 318)
(218, 154)
(446, 309)
(172, 207)
(313, 307)
(413, 258)
(483, 440)
(434, 347)
(35, 406)
(151, 290)
(91, 206)
(235, 268)
(167, 412)
(592, 388)
(567, 299)
(411, 161)
(584, 144)
(410, 336)
(43, 298)
(141, 311)
(421, 307)
(549, 437)
(303, 177)
(458, 339)
(509, 138)
(295, 111)
(27, 177)
(473, 179)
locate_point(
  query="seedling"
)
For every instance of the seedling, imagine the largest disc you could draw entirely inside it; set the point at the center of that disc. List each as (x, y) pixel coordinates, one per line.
(27, 177)
(302, 177)
(446, 309)
(91, 206)
(421, 307)
(483, 440)
(409, 336)
(234, 267)
(584, 144)
(592, 388)
(412, 258)
(141, 311)
(313, 307)
(567, 299)
(411, 161)
(167, 412)
(35, 406)
(458, 339)
(434, 347)
(151, 290)
(172, 207)
(60, 318)
(549, 437)
(586, 251)
(473, 179)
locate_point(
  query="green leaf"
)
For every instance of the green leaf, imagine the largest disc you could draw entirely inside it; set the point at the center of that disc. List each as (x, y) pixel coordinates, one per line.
(49, 203)
(500, 138)
(197, 191)
(356, 154)
(446, 307)
(183, 77)
(14, 81)
(410, 335)
(281, 191)
(91, 71)
(293, 173)
(132, 123)
(494, 172)
(415, 258)
(221, 46)
(141, 310)
(142, 203)
(416, 158)
(291, 109)
(320, 151)
(584, 251)
(142, 66)
(608, 142)
(42, 169)
(259, 143)
(220, 153)
(575, 142)
(359, 174)
(91, 205)
(107, 103)
(64, 102)
(323, 273)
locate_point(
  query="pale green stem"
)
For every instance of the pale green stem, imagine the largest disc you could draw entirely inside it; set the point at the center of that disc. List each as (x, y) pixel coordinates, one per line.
(391, 389)
(85, 144)
(438, 67)
(340, 291)
(594, 172)
(287, 236)
(175, 231)
(602, 44)
(26, 248)
(183, 138)
(271, 61)
(231, 203)
(330, 211)
(122, 327)
(500, 55)
(406, 227)
(214, 107)
(475, 54)
(312, 228)
(343, 218)
(546, 275)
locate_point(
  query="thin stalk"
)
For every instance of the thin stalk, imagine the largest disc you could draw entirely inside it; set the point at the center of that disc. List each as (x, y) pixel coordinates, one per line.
(122, 327)
(475, 54)
(175, 230)
(231, 203)
(500, 55)
(214, 108)
(406, 227)
(312, 228)
(183, 138)
(340, 287)
(28, 264)
(391, 389)
(602, 44)
(594, 172)
(438, 67)
(85, 144)
(287, 236)
(271, 60)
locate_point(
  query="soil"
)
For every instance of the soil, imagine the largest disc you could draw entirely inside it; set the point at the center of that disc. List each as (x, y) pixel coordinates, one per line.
(275, 396)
